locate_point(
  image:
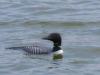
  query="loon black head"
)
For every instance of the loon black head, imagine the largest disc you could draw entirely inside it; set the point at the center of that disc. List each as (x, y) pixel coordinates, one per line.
(55, 38)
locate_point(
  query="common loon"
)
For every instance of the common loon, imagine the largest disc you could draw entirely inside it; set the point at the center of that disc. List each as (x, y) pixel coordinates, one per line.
(54, 37)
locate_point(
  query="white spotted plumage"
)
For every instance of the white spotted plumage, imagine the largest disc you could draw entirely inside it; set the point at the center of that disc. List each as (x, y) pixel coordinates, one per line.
(35, 49)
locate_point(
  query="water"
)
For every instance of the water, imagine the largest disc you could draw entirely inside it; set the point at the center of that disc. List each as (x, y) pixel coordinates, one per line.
(25, 22)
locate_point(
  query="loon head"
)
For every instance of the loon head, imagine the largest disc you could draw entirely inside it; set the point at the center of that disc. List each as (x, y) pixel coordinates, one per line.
(55, 38)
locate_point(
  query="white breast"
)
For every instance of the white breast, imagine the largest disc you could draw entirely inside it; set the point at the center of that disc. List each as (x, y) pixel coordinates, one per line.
(58, 52)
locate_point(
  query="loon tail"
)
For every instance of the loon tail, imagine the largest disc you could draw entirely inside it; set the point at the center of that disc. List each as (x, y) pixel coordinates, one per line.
(14, 48)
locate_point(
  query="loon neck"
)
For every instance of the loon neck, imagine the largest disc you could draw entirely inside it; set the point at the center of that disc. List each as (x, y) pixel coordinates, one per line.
(56, 48)
(56, 44)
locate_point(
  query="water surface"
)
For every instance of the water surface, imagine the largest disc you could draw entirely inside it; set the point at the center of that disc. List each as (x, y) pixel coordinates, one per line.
(25, 22)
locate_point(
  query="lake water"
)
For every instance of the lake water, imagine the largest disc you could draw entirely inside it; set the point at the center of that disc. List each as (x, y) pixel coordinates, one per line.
(25, 22)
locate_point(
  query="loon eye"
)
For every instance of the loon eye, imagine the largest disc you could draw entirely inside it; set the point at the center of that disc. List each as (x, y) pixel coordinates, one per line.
(54, 35)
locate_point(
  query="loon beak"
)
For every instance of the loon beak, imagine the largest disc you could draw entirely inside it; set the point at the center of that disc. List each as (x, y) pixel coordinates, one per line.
(46, 38)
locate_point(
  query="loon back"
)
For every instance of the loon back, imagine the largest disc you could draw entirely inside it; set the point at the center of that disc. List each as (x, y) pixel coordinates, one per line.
(33, 49)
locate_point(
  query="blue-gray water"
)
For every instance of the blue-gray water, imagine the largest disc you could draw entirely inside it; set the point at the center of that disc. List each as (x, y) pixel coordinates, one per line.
(25, 22)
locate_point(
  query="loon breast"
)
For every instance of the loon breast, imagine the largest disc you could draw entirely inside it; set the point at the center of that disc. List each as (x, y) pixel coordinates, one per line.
(58, 52)
(33, 49)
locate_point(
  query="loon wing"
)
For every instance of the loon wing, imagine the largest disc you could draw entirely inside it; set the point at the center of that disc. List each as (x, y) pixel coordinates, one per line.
(33, 49)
